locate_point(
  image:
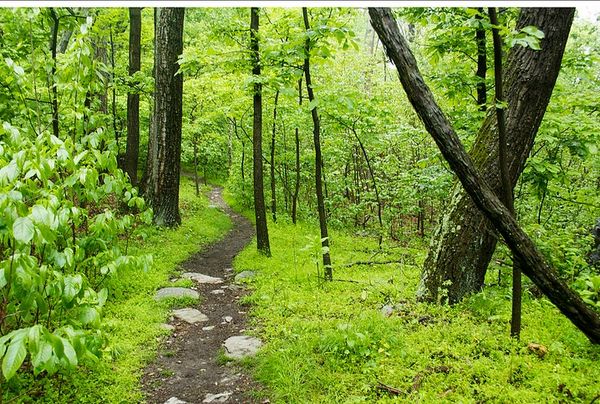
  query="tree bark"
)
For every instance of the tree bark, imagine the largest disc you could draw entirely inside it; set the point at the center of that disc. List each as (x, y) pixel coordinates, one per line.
(133, 100)
(262, 232)
(168, 117)
(464, 241)
(327, 270)
(507, 192)
(438, 126)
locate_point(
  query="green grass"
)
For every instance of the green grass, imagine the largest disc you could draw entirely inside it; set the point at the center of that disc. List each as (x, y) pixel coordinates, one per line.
(132, 319)
(330, 343)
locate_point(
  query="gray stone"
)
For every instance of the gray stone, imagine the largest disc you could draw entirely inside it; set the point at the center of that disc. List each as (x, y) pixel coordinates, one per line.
(245, 275)
(166, 293)
(387, 310)
(201, 278)
(208, 328)
(241, 346)
(217, 398)
(167, 327)
(229, 319)
(217, 292)
(191, 316)
(175, 400)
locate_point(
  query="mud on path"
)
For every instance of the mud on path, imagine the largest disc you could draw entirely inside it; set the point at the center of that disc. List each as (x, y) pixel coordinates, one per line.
(187, 366)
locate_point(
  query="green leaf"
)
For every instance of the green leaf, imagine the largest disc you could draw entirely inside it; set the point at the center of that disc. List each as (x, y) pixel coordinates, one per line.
(14, 357)
(533, 31)
(89, 315)
(23, 230)
(9, 172)
(72, 287)
(42, 357)
(69, 352)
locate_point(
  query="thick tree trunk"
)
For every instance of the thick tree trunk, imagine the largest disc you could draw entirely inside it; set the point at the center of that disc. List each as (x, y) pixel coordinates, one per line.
(262, 232)
(168, 117)
(327, 270)
(438, 126)
(133, 100)
(464, 241)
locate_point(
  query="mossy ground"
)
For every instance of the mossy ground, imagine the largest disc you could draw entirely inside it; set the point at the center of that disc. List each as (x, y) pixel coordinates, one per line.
(132, 318)
(328, 342)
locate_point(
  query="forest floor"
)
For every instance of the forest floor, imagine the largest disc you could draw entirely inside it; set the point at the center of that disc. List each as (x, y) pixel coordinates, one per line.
(190, 365)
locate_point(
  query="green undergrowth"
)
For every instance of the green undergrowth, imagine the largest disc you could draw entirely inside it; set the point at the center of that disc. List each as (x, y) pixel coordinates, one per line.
(132, 318)
(329, 342)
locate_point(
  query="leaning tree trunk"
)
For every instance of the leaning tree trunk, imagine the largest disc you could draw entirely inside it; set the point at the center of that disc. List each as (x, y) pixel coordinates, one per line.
(262, 231)
(438, 126)
(133, 100)
(168, 117)
(464, 241)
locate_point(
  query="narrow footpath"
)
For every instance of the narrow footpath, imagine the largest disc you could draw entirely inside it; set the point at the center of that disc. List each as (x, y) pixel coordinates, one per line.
(190, 366)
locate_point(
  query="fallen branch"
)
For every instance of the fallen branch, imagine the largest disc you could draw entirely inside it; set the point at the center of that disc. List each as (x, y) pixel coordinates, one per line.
(389, 389)
(351, 264)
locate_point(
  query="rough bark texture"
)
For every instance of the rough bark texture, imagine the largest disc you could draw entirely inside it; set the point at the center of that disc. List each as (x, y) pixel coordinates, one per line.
(327, 270)
(438, 126)
(262, 232)
(168, 117)
(133, 100)
(464, 241)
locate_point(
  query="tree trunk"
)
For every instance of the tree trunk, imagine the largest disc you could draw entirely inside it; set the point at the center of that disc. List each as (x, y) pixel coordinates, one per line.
(464, 241)
(436, 123)
(168, 117)
(297, 143)
(507, 191)
(133, 100)
(53, 46)
(327, 270)
(146, 185)
(196, 180)
(273, 190)
(481, 64)
(262, 232)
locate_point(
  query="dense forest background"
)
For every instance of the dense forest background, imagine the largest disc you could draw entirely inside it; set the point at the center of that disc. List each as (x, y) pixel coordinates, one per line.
(79, 171)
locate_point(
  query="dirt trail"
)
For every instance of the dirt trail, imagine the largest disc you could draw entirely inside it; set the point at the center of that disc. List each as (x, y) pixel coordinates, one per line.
(187, 366)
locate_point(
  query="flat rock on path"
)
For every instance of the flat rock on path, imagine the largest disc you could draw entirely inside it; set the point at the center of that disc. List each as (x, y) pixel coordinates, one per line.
(190, 316)
(187, 367)
(241, 346)
(201, 278)
(167, 293)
